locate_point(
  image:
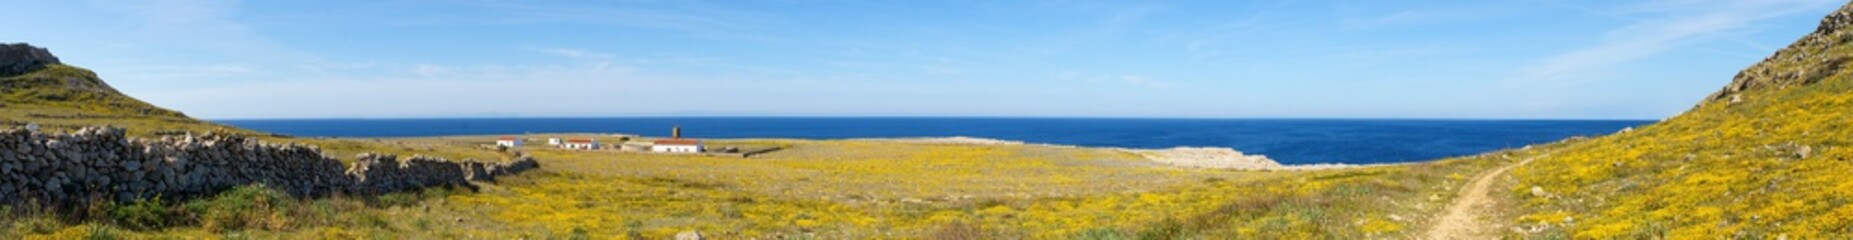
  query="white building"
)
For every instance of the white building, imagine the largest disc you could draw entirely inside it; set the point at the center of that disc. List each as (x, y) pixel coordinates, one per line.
(553, 141)
(634, 146)
(678, 146)
(508, 142)
(581, 144)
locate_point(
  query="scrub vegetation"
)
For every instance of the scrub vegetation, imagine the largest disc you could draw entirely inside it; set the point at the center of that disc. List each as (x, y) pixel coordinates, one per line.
(811, 189)
(1764, 159)
(1763, 168)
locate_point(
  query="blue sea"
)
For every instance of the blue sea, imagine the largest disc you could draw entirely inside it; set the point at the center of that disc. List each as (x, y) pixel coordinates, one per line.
(1289, 141)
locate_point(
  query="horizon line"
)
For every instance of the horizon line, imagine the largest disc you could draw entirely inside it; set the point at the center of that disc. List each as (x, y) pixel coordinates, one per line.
(930, 117)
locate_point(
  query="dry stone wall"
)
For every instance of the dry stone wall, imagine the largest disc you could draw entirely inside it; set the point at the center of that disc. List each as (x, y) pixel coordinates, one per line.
(100, 164)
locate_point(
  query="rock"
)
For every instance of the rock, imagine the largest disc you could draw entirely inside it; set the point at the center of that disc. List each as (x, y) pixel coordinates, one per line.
(98, 163)
(1214, 158)
(132, 166)
(20, 58)
(1803, 152)
(1537, 191)
(689, 235)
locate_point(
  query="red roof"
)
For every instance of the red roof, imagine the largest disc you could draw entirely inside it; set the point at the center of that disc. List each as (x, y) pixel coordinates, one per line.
(508, 138)
(678, 142)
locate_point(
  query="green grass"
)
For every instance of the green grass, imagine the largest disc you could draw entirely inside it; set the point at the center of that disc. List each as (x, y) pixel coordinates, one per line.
(1771, 164)
(64, 98)
(812, 189)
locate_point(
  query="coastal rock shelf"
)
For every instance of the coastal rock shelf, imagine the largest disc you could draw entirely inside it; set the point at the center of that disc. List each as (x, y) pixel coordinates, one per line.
(1215, 158)
(101, 164)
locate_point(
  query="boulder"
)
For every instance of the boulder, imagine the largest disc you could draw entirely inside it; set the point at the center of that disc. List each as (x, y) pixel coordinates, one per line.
(689, 235)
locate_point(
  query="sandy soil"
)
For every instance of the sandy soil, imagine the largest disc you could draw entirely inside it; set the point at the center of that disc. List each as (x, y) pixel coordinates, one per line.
(1468, 217)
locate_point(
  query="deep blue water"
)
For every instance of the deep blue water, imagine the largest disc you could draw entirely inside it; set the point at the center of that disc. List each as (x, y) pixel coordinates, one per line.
(1289, 141)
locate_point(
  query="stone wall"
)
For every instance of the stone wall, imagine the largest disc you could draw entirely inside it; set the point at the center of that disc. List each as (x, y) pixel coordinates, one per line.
(99, 163)
(17, 58)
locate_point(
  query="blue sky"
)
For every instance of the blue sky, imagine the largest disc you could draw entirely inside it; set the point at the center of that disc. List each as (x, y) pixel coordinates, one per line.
(1521, 59)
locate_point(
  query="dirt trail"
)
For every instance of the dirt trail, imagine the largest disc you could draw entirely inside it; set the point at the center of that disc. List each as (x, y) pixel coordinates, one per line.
(1466, 218)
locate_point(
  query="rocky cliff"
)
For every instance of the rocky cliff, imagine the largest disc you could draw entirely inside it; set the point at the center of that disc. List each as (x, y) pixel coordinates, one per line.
(92, 164)
(33, 76)
(1808, 60)
(20, 58)
(1765, 157)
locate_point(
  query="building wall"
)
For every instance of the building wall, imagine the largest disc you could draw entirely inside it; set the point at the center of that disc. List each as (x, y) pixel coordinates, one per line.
(676, 148)
(584, 146)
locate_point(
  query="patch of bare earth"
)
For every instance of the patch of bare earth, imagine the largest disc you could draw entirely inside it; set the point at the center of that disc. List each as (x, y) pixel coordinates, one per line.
(1470, 215)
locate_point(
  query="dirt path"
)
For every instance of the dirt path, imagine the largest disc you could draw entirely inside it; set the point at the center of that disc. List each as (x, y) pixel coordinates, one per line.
(1466, 217)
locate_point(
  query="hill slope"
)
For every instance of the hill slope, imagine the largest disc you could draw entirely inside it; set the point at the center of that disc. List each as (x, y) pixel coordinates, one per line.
(36, 88)
(1765, 157)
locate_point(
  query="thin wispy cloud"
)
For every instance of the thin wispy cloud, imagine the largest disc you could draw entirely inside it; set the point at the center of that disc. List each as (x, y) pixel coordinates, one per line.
(198, 25)
(1493, 59)
(430, 70)
(1143, 81)
(571, 53)
(1683, 22)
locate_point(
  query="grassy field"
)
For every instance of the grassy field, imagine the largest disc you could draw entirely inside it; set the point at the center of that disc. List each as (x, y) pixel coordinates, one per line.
(855, 189)
(811, 189)
(876, 189)
(1758, 169)
(1771, 161)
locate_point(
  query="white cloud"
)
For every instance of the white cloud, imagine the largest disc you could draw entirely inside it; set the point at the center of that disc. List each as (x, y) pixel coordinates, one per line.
(202, 26)
(571, 53)
(1143, 81)
(1681, 22)
(429, 70)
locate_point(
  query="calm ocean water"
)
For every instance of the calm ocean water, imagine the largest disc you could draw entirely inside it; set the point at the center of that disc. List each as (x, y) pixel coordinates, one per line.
(1290, 141)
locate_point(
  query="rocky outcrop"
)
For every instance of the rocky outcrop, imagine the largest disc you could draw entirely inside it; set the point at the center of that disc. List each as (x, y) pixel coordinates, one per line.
(100, 164)
(1214, 158)
(20, 58)
(1812, 58)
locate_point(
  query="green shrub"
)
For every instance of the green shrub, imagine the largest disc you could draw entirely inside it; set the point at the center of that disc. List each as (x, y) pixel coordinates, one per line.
(249, 206)
(396, 199)
(142, 214)
(1102, 234)
(101, 233)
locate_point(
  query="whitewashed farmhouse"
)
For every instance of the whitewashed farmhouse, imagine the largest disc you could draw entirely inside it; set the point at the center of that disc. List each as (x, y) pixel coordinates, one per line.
(553, 141)
(508, 142)
(580, 144)
(678, 146)
(675, 143)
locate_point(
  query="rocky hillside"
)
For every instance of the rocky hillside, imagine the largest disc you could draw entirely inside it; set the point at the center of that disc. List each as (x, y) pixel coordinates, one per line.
(151, 151)
(31, 77)
(1769, 156)
(20, 58)
(1808, 60)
